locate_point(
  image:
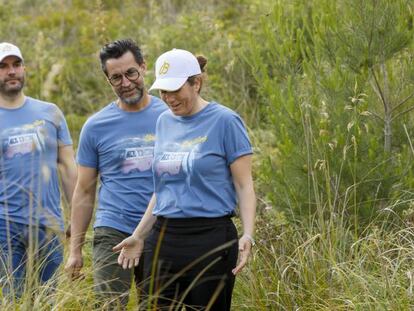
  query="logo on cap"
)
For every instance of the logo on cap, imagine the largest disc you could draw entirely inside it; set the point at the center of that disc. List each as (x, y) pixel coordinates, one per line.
(164, 68)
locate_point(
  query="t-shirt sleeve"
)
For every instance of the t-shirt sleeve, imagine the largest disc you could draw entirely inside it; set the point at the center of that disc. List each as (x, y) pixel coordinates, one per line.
(63, 133)
(87, 154)
(236, 139)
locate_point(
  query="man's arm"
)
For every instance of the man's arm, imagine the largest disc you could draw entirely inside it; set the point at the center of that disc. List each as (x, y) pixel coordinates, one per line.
(81, 215)
(67, 171)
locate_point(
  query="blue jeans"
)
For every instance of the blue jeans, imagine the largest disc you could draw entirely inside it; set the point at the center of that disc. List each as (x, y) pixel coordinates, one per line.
(22, 247)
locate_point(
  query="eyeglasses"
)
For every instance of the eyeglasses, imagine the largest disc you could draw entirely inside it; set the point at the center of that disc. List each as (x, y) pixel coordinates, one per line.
(131, 74)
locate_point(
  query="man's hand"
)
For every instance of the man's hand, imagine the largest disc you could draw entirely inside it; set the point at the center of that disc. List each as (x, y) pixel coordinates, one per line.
(73, 267)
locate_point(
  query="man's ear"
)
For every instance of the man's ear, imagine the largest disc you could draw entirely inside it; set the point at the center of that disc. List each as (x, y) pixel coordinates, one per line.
(143, 67)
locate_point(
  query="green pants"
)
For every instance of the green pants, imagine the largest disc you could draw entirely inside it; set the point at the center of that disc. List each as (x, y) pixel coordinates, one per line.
(111, 282)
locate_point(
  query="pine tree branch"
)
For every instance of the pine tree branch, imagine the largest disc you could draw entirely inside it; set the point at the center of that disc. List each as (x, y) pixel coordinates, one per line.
(386, 89)
(402, 102)
(402, 112)
(376, 115)
(379, 90)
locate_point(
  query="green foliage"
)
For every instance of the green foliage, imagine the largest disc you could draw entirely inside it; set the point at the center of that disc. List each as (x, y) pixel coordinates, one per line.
(369, 32)
(323, 111)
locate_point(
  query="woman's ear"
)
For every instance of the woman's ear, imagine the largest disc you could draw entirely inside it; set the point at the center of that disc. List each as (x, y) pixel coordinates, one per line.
(197, 84)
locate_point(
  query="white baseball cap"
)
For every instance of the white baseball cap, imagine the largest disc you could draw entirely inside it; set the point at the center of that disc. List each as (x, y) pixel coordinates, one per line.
(8, 49)
(173, 68)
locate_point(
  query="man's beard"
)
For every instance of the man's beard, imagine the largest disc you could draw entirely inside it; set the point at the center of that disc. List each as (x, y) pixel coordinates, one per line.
(133, 100)
(11, 91)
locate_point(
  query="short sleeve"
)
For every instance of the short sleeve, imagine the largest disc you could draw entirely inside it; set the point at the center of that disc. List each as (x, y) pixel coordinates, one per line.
(87, 154)
(236, 139)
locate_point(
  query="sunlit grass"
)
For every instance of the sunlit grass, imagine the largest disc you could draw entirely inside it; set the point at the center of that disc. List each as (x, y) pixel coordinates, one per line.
(324, 266)
(316, 263)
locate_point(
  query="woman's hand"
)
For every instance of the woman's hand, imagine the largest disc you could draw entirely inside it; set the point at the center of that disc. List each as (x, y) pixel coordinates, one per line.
(245, 246)
(130, 251)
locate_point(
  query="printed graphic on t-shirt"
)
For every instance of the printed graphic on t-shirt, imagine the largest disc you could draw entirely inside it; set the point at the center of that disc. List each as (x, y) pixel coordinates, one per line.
(172, 163)
(23, 140)
(137, 159)
(178, 158)
(137, 154)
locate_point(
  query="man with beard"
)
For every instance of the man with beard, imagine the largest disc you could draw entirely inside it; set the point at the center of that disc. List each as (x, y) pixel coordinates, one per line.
(117, 144)
(35, 146)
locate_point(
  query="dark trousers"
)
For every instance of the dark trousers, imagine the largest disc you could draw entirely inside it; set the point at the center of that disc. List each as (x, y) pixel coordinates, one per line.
(111, 282)
(189, 262)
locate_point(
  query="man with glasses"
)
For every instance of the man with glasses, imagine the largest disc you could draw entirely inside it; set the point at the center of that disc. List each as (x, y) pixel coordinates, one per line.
(35, 150)
(115, 144)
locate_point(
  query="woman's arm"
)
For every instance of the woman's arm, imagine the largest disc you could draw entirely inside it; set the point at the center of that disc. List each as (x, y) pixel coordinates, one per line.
(241, 169)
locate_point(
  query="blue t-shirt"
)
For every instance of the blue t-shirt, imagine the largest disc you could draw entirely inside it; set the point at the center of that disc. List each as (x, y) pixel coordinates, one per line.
(29, 184)
(192, 176)
(120, 146)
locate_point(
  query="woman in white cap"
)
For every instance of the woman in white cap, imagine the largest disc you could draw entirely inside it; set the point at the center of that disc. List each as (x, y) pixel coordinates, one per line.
(202, 170)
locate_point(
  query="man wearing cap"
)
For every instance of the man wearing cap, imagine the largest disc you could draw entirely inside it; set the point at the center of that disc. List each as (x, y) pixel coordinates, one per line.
(117, 144)
(35, 147)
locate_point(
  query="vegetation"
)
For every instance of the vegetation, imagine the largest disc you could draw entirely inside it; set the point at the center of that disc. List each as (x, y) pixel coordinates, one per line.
(326, 88)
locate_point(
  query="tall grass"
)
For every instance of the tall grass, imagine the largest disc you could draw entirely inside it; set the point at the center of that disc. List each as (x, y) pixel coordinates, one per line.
(325, 266)
(310, 264)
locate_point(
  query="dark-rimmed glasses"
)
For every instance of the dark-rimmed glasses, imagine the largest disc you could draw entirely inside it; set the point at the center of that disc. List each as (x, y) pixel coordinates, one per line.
(132, 74)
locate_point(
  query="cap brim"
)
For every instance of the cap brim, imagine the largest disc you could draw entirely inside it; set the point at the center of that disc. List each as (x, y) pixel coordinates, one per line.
(2, 57)
(168, 84)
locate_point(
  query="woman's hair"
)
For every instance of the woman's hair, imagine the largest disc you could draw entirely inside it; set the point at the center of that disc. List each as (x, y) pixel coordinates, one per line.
(202, 61)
